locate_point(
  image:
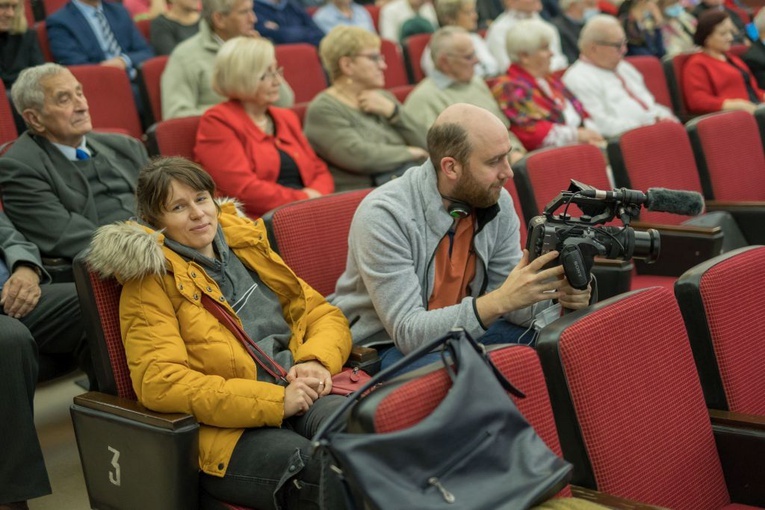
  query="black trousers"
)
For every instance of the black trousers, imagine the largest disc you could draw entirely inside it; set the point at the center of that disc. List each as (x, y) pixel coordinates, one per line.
(272, 468)
(53, 327)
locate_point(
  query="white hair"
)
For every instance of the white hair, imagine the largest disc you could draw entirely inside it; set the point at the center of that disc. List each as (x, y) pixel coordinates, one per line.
(528, 36)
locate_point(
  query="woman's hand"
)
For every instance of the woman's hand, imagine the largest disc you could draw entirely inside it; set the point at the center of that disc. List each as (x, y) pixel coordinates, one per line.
(312, 193)
(417, 153)
(585, 135)
(314, 370)
(372, 101)
(299, 395)
(739, 104)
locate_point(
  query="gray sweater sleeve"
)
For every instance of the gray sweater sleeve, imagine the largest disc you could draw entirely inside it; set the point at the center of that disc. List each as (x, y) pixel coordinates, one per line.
(384, 247)
(360, 143)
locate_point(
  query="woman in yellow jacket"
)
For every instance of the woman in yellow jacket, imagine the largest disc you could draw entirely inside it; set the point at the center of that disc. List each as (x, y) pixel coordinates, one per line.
(253, 428)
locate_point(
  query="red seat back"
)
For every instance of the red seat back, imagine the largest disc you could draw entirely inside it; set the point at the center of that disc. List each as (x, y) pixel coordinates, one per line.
(29, 13)
(724, 329)
(8, 130)
(374, 12)
(653, 75)
(151, 76)
(544, 173)
(144, 26)
(401, 92)
(655, 156)
(42, 39)
(628, 403)
(312, 236)
(110, 97)
(302, 70)
(52, 6)
(414, 46)
(99, 301)
(176, 137)
(395, 72)
(414, 400)
(513, 190)
(673, 70)
(729, 156)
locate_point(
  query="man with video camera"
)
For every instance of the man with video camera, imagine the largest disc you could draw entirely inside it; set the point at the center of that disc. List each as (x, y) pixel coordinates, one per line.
(439, 248)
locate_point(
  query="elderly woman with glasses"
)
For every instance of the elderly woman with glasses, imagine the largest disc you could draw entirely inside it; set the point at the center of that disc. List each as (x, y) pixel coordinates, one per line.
(541, 110)
(359, 129)
(19, 47)
(256, 153)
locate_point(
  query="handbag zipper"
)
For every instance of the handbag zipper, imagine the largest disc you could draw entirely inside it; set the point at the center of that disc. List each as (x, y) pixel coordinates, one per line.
(435, 481)
(448, 496)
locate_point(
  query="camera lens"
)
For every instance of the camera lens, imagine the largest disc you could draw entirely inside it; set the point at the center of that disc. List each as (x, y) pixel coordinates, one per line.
(647, 245)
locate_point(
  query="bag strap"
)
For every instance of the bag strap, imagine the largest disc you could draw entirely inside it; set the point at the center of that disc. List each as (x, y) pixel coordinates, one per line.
(268, 364)
(454, 335)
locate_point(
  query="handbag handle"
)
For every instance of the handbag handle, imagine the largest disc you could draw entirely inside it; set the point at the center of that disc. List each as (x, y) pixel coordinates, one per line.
(261, 358)
(454, 335)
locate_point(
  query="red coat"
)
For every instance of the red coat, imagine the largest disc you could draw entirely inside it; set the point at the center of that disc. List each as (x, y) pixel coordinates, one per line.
(245, 163)
(707, 82)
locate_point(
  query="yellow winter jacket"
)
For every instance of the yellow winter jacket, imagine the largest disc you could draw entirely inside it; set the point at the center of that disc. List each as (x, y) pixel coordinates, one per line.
(181, 358)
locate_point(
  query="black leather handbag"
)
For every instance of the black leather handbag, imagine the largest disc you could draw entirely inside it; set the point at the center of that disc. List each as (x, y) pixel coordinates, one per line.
(474, 451)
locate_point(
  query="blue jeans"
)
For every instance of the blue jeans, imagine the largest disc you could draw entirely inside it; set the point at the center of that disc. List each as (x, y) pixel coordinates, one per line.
(501, 332)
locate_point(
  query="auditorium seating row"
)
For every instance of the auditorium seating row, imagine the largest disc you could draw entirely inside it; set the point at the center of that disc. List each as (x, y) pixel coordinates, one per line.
(625, 403)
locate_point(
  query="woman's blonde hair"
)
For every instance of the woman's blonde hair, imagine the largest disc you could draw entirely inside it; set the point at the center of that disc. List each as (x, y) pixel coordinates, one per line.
(240, 65)
(344, 41)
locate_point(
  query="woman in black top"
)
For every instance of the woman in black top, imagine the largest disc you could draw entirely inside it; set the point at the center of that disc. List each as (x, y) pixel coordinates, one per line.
(180, 22)
(19, 48)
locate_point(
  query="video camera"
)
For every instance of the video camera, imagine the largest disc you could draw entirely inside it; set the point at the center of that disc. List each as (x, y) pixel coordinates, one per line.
(580, 240)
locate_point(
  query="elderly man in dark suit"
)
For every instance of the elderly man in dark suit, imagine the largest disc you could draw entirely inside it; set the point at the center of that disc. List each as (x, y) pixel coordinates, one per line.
(60, 181)
(95, 32)
(33, 318)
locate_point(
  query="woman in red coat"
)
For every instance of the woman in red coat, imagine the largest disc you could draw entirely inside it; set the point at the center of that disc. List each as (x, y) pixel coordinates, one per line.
(714, 79)
(255, 152)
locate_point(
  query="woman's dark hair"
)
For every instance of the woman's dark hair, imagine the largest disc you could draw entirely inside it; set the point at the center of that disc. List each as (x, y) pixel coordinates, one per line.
(155, 179)
(708, 20)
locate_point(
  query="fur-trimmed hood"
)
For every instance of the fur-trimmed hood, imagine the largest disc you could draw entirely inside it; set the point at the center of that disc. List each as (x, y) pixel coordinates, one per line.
(128, 250)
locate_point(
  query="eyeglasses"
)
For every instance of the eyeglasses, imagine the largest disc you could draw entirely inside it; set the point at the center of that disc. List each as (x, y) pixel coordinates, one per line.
(375, 57)
(277, 73)
(12, 7)
(618, 45)
(469, 57)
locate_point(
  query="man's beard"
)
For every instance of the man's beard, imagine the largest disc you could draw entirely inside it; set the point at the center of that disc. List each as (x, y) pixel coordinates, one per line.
(468, 190)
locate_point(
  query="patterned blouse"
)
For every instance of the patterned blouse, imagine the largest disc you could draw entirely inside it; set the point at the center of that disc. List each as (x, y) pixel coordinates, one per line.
(532, 111)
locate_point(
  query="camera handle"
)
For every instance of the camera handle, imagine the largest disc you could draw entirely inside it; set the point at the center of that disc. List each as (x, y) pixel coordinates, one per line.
(577, 260)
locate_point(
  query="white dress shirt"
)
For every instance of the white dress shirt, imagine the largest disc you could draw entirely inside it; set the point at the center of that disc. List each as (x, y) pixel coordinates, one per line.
(617, 101)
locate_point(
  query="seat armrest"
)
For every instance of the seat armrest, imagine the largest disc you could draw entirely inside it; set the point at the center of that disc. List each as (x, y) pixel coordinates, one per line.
(681, 247)
(136, 458)
(59, 269)
(134, 411)
(613, 276)
(364, 358)
(749, 217)
(609, 501)
(740, 442)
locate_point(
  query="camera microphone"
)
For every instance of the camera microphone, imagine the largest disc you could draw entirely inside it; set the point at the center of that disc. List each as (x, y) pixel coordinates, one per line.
(688, 203)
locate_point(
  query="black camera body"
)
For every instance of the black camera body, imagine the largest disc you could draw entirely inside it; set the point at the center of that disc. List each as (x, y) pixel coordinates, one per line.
(580, 239)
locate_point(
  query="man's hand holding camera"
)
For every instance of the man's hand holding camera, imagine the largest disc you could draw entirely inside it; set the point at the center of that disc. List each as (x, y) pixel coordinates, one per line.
(529, 283)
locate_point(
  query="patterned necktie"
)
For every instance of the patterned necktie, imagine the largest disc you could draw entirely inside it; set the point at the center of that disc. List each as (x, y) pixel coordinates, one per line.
(112, 46)
(81, 154)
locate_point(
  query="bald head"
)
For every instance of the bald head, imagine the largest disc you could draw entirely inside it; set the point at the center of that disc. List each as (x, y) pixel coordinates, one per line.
(454, 131)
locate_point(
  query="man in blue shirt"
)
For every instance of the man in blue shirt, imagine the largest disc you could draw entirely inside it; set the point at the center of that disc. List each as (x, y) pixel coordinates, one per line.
(285, 22)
